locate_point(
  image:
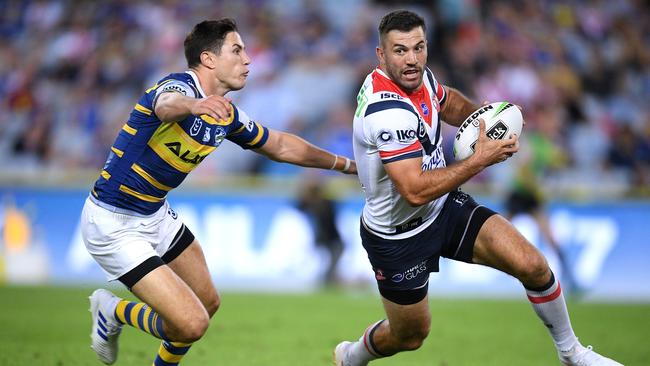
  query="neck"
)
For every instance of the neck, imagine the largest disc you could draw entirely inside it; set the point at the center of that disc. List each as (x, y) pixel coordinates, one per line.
(209, 84)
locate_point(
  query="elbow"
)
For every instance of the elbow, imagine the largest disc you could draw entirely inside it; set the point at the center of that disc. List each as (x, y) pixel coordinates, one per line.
(414, 199)
(417, 199)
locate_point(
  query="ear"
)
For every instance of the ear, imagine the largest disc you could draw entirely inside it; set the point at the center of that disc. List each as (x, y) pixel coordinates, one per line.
(207, 59)
(380, 55)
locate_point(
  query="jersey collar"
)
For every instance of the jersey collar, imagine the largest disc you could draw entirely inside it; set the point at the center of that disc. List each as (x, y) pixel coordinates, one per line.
(384, 75)
(196, 82)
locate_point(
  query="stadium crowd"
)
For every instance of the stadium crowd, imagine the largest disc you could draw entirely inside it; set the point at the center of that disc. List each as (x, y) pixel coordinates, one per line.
(69, 72)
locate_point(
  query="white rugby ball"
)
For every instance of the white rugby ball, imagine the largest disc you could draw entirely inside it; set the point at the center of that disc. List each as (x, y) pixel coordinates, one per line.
(502, 119)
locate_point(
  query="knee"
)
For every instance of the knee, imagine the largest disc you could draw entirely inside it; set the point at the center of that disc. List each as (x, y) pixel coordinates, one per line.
(212, 304)
(536, 270)
(414, 338)
(194, 327)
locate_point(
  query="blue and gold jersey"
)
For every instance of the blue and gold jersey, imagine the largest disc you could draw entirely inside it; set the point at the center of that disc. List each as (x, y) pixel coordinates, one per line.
(150, 158)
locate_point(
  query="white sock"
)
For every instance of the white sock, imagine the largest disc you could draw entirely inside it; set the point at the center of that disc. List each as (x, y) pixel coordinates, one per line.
(363, 351)
(548, 302)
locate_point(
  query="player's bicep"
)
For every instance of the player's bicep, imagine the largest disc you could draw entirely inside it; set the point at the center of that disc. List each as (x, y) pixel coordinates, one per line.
(405, 174)
(173, 86)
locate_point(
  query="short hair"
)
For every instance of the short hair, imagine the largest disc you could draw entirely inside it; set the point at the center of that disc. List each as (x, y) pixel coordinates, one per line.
(208, 35)
(401, 20)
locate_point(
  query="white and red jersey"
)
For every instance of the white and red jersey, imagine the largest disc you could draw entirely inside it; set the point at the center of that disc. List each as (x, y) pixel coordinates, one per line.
(391, 125)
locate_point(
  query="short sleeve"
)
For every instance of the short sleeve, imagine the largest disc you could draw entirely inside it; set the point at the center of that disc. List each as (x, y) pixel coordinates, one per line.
(174, 86)
(438, 89)
(246, 133)
(394, 131)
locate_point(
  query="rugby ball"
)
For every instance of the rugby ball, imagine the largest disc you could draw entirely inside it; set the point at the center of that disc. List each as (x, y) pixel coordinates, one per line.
(502, 119)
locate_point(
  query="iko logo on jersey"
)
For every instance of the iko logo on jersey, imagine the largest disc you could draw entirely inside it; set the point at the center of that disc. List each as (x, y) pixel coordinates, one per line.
(406, 135)
(410, 273)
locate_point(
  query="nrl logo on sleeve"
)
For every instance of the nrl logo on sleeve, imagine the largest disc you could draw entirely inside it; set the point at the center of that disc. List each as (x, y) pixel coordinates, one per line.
(196, 126)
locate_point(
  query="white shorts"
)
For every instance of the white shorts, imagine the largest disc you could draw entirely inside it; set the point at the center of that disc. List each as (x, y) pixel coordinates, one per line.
(120, 242)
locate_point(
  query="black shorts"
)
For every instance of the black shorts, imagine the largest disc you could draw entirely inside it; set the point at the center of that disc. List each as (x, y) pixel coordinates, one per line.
(402, 266)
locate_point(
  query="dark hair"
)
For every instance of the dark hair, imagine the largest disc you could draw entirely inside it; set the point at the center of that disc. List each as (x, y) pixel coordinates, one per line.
(401, 20)
(207, 36)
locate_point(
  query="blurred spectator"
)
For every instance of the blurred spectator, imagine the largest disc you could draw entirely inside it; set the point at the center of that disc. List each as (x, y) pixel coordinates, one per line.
(321, 212)
(589, 60)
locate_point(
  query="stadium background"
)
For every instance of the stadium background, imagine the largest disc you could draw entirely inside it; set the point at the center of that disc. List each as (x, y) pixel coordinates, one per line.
(70, 72)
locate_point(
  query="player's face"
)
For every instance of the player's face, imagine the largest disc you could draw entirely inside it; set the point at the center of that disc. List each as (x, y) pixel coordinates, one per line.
(231, 65)
(403, 56)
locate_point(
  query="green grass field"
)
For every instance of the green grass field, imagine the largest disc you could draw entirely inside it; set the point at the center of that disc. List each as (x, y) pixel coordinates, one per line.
(50, 326)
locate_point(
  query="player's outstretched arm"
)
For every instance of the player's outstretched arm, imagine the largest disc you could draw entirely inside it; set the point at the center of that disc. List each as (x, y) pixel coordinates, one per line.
(289, 148)
(420, 187)
(174, 106)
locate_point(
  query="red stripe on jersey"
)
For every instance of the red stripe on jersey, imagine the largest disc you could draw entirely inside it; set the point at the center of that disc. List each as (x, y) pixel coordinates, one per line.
(389, 154)
(543, 299)
(421, 96)
(382, 83)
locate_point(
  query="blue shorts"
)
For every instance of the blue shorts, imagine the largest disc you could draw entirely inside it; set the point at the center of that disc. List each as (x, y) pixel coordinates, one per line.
(402, 266)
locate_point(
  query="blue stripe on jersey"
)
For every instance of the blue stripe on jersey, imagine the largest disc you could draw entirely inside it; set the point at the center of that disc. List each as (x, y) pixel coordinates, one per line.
(389, 104)
(430, 77)
(252, 138)
(411, 155)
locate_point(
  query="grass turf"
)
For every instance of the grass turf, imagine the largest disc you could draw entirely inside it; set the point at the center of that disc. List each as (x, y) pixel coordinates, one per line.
(50, 326)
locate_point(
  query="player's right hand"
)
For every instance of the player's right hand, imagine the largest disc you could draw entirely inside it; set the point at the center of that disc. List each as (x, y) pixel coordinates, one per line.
(214, 106)
(488, 151)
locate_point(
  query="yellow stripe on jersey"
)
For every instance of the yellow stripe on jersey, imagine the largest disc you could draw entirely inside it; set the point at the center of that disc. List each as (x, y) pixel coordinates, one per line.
(141, 172)
(240, 129)
(260, 133)
(106, 175)
(220, 122)
(169, 357)
(138, 195)
(94, 193)
(130, 130)
(140, 108)
(157, 85)
(177, 148)
(117, 152)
